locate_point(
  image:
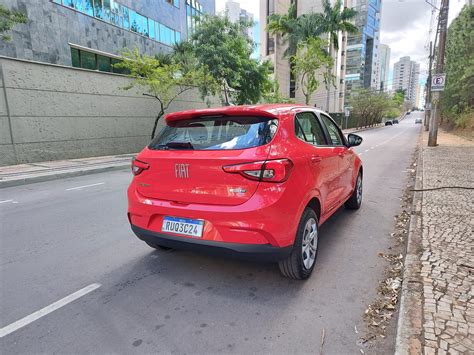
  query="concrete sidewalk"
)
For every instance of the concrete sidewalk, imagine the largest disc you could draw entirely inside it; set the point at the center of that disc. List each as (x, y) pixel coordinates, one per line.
(14, 175)
(437, 308)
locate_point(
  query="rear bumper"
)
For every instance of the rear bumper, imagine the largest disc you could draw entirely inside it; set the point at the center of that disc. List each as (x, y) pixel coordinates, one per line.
(260, 252)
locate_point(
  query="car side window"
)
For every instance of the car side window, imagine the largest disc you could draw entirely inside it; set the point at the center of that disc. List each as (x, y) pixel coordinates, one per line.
(334, 133)
(308, 128)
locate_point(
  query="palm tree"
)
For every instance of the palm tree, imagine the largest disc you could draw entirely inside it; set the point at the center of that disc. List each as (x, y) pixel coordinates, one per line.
(294, 29)
(335, 19)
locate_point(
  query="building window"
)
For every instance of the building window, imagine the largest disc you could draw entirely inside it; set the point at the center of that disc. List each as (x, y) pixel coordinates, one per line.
(123, 17)
(93, 61)
(270, 44)
(270, 7)
(193, 14)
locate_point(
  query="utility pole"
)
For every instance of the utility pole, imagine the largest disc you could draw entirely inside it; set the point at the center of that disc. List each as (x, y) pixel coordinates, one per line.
(435, 117)
(428, 90)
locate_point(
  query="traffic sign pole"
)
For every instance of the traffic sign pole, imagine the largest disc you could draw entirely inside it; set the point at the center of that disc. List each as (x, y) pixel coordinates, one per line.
(438, 79)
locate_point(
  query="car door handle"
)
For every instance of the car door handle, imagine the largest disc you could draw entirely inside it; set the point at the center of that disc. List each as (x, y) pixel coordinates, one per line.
(315, 159)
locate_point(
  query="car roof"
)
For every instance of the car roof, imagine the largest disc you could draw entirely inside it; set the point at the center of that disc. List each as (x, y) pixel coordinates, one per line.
(267, 110)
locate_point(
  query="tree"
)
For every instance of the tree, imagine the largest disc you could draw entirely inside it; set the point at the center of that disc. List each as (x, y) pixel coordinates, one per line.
(294, 29)
(370, 107)
(309, 58)
(220, 46)
(333, 20)
(273, 95)
(8, 19)
(162, 81)
(458, 97)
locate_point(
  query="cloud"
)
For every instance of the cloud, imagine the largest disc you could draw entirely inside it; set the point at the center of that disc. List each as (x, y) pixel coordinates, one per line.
(399, 15)
(405, 28)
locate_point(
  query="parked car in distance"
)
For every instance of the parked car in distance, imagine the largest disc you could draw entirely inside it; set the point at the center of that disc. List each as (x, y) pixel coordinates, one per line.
(395, 121)
(389, 123)
(408, 113)
(245, 180)
(418, 120)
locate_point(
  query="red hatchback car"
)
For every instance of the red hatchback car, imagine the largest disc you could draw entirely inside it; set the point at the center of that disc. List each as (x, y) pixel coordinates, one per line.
(248, 180)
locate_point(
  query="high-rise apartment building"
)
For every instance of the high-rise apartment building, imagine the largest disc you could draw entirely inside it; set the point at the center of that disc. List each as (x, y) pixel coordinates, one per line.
(91, 33)
(236, 14)
(273, 48)
(406, 74)
(383, 67)
(363, 48)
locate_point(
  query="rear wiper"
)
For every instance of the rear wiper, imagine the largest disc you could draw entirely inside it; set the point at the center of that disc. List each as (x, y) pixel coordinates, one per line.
(176, 145)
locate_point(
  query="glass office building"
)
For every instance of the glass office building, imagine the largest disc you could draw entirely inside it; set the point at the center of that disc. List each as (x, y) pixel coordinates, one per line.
(91, 33)
(362, 48)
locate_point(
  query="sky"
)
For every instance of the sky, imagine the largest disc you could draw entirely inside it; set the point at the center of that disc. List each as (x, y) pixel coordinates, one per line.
(404, 26)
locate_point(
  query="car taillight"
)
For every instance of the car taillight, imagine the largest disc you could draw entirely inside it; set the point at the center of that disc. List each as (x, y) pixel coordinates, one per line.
(271, 170)
(138, 166)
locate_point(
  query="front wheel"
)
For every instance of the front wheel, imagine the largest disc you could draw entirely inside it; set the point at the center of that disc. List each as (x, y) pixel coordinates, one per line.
(354, 202)
(300, 263)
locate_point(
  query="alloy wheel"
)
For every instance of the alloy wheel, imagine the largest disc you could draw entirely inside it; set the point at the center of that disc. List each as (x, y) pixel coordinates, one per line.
(310, 243)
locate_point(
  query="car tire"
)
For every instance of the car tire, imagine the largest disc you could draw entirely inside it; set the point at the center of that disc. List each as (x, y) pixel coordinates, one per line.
(156, 246)
(300, 263)
(354, 202)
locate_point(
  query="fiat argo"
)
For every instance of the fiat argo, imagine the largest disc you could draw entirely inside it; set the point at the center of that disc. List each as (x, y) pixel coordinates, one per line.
(245, 180)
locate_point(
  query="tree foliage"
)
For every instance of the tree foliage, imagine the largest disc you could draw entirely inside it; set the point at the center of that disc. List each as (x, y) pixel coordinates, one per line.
(309, 58)
(8, 19)
(273, 95)
(220, 46)
(335, 19)
(162, 81)
(370, 107)
(294, 29)
(458, 97)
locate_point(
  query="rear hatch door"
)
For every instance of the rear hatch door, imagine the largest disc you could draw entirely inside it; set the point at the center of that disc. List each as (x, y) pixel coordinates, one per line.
(187, 157)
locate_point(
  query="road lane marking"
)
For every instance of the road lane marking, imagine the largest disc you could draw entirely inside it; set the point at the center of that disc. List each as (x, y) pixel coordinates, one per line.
(5, 201)
(82, 187)
(46, 310)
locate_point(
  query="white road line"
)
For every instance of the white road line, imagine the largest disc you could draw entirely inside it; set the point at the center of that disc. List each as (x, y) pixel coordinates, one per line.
(366, 150)
(82, 187)
(46, 310)
(4, 201)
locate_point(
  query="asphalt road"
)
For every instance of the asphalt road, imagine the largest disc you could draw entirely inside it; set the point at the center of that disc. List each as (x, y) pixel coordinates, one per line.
(64, 236)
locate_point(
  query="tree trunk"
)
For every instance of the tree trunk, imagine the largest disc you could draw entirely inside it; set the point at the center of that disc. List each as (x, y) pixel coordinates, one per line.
(162, 112)
(226, 96)
(328, 88)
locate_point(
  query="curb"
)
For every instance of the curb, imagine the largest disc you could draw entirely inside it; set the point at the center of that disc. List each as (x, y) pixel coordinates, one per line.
(351, 130)
(410, 319)
(61, 175)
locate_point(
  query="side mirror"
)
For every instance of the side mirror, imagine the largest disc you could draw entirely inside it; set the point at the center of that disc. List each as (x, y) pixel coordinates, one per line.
(354, 140)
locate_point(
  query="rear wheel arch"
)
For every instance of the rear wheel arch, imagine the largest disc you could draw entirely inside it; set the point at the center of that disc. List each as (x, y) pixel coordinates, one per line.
(315, 205)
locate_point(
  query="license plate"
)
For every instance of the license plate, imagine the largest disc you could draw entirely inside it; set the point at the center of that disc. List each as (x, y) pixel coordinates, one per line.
(183, 226)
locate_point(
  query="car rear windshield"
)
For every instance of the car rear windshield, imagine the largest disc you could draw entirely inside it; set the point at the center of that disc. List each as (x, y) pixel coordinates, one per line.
(215, 133)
